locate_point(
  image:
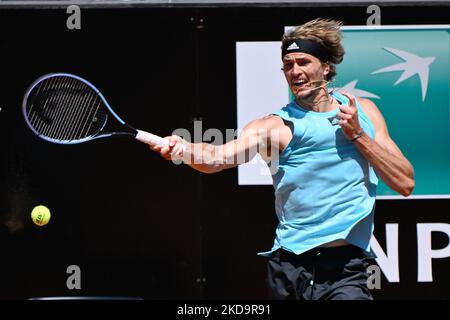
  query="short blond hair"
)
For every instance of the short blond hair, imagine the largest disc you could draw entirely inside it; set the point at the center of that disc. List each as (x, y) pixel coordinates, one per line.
(324, 31)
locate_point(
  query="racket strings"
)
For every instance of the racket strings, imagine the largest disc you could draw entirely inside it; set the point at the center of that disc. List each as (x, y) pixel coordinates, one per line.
(92, 116)
(69, 122)
(57, 99)
(38, 109)
(65, 108)
(44, 113)
(57, 114)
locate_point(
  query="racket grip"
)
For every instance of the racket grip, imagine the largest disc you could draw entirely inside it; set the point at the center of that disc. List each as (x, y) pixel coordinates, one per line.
(150, 139)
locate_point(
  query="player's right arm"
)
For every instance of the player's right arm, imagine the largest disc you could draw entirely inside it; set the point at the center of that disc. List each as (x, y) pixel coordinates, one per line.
(265, 136)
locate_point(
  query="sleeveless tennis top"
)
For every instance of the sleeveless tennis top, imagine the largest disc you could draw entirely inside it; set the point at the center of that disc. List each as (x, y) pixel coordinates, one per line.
(324, 188)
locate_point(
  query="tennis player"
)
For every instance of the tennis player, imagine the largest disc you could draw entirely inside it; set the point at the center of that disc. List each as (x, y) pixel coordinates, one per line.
(330, 149)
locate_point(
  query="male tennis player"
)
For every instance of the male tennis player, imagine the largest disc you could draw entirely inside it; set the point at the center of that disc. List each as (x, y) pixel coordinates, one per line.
(329, 146)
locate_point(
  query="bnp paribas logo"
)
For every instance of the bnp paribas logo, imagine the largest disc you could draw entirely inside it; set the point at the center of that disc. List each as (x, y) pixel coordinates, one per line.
(397, 63)
(405, 70)
(412, 65)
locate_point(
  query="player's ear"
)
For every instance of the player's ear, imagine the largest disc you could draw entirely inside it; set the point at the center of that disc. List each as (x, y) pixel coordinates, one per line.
(326, 69)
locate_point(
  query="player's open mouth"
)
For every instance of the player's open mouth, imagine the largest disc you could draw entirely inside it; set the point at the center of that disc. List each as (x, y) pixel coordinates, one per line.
(299, 84)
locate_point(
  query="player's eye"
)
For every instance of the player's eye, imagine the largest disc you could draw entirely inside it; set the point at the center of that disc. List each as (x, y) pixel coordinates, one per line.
(288, 66)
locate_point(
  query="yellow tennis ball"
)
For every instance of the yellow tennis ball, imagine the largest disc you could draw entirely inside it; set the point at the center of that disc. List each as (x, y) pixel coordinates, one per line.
(40, 215)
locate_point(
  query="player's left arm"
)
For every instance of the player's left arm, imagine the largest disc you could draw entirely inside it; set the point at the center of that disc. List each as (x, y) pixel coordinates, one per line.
(382, 152)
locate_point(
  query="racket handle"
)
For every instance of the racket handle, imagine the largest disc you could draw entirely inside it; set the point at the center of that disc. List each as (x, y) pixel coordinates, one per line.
(150, 139)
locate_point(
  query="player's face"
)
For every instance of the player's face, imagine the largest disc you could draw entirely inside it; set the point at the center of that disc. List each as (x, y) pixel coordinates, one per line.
(303, 73)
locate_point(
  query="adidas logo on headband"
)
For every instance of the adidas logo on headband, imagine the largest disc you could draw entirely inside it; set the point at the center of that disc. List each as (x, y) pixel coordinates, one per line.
(293, 46)
(307, 46)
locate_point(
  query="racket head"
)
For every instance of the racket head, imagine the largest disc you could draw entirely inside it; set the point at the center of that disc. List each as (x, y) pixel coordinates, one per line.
(65, 109)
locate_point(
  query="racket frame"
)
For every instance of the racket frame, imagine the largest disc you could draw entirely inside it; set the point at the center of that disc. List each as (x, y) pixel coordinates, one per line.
(88, 138)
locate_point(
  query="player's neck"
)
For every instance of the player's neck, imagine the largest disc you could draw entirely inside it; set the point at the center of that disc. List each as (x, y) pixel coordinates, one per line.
(320, 102)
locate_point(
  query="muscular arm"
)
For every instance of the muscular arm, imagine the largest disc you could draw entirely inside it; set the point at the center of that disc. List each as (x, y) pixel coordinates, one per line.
(208, 158)
(259, 136)
(385, 156)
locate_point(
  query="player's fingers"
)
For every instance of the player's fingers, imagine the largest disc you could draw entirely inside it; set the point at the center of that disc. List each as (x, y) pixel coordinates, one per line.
(177, 151)
(344, 116)
(347, 110)
(155, 147)
(180, 150)
(165, 150)
(343, 123)
(162, 150)
(351, 99)
(173, 140)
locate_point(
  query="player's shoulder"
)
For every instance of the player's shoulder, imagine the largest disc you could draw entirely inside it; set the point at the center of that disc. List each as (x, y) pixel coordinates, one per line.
(366, 103)
(266, 122)
(372, 111)
(369, 107)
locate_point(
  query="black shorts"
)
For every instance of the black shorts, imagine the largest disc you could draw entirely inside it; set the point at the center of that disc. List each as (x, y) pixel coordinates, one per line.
(331, 273)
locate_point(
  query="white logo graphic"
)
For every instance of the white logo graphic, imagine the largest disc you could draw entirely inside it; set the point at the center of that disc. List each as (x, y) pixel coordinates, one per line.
(351, 88)
(413, 65)
(293, 46)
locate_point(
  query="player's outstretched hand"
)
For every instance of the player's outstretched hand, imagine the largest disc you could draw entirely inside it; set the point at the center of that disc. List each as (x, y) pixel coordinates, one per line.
(173, 150)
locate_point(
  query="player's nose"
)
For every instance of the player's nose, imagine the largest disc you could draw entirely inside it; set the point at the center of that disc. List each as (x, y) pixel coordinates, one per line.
(296, 70)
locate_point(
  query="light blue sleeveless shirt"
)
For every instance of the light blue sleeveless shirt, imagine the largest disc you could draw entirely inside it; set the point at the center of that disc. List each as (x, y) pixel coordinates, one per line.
(324, 188)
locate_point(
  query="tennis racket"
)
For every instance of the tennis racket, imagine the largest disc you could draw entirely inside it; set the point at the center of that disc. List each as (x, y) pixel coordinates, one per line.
(66, 109)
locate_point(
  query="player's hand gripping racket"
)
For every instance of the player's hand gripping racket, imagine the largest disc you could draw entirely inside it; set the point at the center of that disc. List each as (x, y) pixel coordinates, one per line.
(66, 109)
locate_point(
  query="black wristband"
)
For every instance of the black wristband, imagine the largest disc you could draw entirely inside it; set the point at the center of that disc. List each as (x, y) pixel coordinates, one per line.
(358, 136)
